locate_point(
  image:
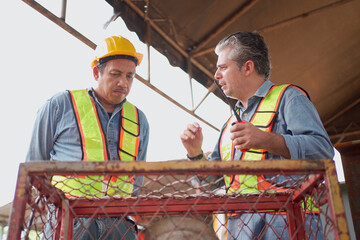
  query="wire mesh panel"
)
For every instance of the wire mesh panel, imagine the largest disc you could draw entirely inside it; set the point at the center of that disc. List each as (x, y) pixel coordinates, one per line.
(277, 199)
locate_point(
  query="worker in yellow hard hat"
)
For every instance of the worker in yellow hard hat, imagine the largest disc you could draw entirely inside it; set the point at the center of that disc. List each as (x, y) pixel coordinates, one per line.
(95, 124)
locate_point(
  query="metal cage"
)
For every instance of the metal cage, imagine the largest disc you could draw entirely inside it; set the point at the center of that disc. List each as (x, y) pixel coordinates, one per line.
(178, 200)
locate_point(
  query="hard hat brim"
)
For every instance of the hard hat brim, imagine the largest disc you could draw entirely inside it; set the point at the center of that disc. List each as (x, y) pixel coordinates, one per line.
(121, 54)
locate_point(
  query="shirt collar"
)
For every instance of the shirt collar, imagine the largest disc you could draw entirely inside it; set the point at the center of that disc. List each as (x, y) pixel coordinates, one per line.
(264, 89)
(260, 92)
(118, 106)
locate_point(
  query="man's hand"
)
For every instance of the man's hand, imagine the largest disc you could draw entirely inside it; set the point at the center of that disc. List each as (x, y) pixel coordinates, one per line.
(192, 139)
(246, 136)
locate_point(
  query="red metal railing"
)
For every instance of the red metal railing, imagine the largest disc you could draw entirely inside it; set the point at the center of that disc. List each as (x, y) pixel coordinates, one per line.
(309, 190)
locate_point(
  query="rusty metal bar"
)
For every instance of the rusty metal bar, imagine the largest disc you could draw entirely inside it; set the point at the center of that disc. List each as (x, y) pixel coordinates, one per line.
(197, 203)
(172, 206)
(63, 10)
(17, 213)
(66, 221)
(190, 74)
(60, 22)
(92, 45)
(147, 83)
(179, 167)
(296, 229)
(215, 32)
(309, 184)
(210, 90)
(169, 39)
(59, 219)
(148, 43)
(336, 203)
(47, 190)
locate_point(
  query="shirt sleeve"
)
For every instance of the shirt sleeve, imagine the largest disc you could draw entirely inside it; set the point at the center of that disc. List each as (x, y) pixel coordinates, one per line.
(42, 139)
(305, 136)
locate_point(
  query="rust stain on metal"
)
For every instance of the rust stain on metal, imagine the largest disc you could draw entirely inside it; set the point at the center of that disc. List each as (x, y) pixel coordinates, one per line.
(337, 203)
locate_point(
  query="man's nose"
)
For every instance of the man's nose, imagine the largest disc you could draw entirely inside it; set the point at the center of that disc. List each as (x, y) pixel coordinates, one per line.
(122, 81)
(217, 75)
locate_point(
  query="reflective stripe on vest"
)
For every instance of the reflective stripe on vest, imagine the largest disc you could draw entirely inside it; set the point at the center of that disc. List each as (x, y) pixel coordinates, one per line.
(93, 146)
(263, 118)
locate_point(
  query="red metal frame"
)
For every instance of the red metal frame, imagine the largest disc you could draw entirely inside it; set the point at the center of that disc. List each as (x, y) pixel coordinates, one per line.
(36, 175)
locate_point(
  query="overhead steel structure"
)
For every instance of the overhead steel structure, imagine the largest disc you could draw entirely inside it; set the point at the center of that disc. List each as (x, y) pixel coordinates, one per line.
(313, 44)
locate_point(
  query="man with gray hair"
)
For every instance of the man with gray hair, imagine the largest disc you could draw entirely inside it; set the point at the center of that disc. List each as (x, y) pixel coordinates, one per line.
(277, 122)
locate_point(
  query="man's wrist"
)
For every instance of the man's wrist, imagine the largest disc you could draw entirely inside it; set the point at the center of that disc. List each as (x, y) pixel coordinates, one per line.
(197, 157)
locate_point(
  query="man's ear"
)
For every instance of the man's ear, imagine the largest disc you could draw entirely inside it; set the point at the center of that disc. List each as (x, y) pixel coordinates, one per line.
(249, 67)
(96, 73)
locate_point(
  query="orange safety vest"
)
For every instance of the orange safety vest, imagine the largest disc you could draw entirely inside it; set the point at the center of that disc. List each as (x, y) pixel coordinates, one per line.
(93, 147)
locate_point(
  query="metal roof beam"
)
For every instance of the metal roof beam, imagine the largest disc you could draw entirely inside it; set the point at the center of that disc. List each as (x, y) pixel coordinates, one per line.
(147, 83)
(302, 16)
(220, 28)
(285, 22)
(60, 22)
(169, 39)
(174, 44)
(342, 135)
(340, 113)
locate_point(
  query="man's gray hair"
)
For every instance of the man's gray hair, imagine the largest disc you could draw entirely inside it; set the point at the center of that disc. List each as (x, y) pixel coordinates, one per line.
(247, 46)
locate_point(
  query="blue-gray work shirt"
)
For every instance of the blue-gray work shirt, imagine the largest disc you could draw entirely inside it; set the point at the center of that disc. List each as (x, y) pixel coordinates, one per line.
(297, 121)
(56, 137)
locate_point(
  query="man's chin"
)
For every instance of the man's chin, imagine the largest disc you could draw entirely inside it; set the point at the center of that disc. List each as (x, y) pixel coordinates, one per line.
(118, 100)
(229, 95)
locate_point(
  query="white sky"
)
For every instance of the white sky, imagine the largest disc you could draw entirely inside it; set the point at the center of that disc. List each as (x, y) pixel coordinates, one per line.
(39, 59)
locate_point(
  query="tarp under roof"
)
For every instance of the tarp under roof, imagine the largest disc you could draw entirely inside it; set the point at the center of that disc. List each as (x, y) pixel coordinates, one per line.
(314, 44)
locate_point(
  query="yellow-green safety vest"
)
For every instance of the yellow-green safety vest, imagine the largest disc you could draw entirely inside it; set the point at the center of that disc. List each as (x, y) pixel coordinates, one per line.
(93, 146)
(263, 118)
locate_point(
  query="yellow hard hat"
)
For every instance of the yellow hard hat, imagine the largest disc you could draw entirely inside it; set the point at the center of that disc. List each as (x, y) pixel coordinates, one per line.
(118, 47)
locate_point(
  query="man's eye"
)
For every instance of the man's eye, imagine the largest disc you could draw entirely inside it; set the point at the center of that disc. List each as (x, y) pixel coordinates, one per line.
(130, 76)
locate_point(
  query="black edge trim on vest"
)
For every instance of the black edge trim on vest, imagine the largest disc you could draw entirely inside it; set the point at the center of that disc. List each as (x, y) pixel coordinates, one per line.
(272, 120)
(306, 93)
(135, 135)
(120, 124)
(127, 153)
(77, 125)
(281, 97)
